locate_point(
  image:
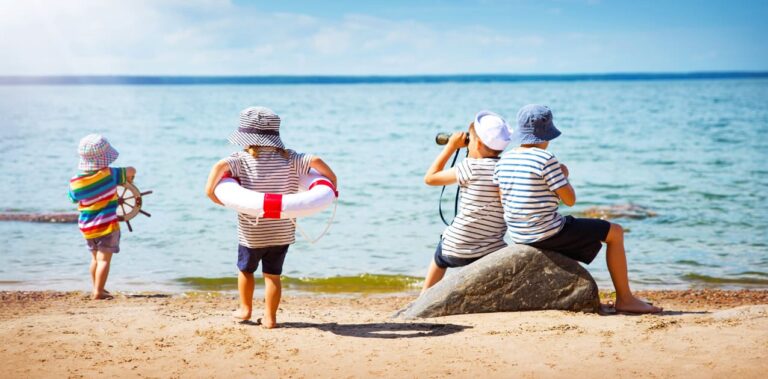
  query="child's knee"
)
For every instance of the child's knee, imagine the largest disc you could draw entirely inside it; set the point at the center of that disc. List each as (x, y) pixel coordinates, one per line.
(103, 257)
(272, 278)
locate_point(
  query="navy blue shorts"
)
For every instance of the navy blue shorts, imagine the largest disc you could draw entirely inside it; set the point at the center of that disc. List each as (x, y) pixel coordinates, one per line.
(579, 239)
(271, 257)
(443, 261)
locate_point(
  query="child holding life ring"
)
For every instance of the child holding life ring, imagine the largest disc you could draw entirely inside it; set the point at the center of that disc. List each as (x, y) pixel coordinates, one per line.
(94, 190)
(265, 166)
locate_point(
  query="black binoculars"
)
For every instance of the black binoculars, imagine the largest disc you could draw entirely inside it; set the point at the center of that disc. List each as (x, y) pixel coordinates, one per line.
(442, 138)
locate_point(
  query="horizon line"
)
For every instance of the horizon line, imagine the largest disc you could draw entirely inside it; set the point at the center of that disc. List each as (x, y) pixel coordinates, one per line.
(365, 79)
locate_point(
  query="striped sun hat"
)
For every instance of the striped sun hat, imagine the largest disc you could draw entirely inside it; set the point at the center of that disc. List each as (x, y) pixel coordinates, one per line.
(259, 126)
(95, 153)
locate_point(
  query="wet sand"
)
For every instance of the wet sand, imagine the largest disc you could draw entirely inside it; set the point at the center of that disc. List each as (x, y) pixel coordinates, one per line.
(52, 334)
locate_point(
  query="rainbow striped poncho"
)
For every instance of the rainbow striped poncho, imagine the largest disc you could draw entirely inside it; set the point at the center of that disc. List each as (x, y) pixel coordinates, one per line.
(95, 193)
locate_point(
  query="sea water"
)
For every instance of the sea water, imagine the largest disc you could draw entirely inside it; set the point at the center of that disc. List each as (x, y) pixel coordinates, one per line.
(692, 151)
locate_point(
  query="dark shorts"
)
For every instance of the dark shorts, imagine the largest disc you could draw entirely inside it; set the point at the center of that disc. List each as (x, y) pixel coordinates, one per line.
(271, 257)
(580, 238)
(443, 261)
(106, 244)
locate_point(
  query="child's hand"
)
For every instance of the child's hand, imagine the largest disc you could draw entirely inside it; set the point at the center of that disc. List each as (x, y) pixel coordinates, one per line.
(217, 172)
(130, 173)
(324, 170)
(212, 196)
(457, 140)
(564, 169)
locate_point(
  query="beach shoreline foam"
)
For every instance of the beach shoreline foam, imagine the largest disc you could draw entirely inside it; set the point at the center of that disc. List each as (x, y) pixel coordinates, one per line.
(702, 333)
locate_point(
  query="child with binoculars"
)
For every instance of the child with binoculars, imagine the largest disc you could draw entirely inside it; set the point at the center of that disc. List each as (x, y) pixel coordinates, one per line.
(478, 228)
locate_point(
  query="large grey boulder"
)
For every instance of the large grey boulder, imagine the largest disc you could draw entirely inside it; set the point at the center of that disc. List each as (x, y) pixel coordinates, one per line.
(516, 278)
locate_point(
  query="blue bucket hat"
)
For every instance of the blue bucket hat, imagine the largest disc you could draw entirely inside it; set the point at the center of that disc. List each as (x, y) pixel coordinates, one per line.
(534, 125)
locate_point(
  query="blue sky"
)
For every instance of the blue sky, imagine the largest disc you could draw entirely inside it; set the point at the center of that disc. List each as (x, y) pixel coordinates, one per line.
(222, 37)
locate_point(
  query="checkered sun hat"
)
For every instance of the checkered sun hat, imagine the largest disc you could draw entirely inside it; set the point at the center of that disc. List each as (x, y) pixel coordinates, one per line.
(259, 126)
(95, 153)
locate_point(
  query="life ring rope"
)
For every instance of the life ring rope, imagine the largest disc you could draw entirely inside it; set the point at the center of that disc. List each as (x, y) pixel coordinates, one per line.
(304, 234)
(325, 230)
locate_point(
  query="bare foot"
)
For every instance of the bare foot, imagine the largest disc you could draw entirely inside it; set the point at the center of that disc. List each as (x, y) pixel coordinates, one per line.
(268, 324)
(242, 314)
(636, 306)
(101, 296)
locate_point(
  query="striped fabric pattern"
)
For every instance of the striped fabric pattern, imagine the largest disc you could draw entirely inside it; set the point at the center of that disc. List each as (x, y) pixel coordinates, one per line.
(527, 178)
(95, 193)
(269, 173)
(479, 227)
(259, 126)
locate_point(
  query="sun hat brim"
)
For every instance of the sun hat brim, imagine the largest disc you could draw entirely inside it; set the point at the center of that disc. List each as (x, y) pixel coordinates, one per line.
(98, 162)
(255, 139)
(495, 135)
(528, 135)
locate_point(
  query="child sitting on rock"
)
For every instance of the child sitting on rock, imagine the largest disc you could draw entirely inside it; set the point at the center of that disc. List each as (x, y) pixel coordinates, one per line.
(478, 228)
(532, 182)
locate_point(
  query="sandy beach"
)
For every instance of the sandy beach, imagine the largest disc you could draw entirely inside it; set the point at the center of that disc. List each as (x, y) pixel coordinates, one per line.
(703, 333)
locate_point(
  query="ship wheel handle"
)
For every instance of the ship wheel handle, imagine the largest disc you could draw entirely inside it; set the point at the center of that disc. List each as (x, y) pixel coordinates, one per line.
(129, 202)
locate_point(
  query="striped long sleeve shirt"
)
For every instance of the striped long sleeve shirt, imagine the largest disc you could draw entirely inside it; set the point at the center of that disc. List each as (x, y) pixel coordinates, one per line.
(528, 179)
(95, 193)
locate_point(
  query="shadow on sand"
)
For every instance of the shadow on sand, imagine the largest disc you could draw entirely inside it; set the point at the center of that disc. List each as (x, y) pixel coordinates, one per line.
(613, 312)
(381, 329)
(148, 296)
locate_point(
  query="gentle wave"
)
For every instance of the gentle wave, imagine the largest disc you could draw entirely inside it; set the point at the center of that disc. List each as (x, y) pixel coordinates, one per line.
(365, 283)
(692, 277)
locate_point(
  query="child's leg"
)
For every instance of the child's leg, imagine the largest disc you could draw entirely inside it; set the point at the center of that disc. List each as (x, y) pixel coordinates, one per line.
(617, 265)
(272, 293)
(245, 285)
(92, 269)
(103, 260)
(434, 274)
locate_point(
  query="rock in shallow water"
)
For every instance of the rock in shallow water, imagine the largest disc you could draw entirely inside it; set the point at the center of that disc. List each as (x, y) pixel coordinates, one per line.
(516, 278)
(65, 218)
(608, 212)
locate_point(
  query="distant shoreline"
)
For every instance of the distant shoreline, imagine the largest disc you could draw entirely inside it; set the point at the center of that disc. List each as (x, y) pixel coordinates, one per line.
(370, 79)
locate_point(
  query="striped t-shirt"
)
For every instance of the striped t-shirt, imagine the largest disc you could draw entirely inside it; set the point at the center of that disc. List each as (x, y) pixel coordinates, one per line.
(528, 178)
(95, 193)
(269, 173)
(479, 227)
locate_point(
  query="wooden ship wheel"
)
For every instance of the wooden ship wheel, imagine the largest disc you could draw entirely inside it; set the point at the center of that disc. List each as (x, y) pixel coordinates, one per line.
(129, 203)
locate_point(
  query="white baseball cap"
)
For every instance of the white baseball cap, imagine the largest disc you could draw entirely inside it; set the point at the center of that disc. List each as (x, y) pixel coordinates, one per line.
(493, 130)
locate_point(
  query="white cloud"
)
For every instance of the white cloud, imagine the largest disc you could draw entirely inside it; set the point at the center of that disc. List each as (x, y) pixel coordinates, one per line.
(331, 41)
(215, 37)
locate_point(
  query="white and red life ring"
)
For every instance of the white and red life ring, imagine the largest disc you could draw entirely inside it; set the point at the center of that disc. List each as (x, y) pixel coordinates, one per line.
(316, 194)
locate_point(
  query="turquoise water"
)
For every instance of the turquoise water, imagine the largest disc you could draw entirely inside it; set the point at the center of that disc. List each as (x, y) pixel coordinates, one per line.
(693, 151)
